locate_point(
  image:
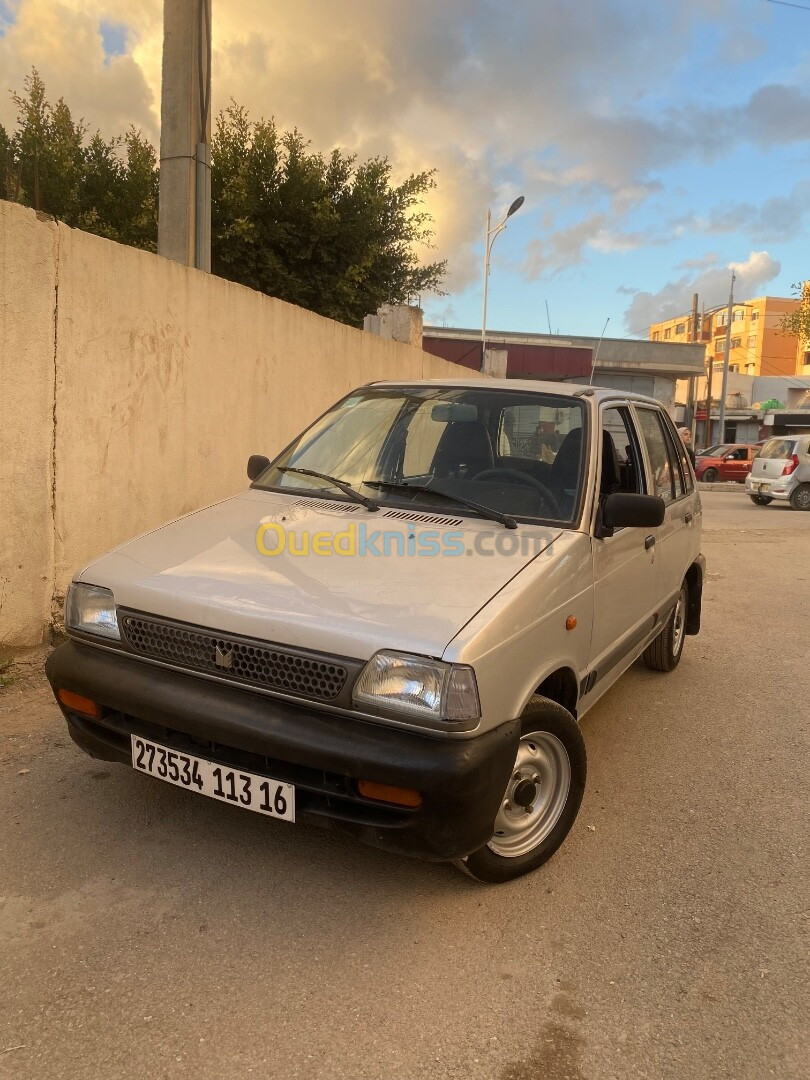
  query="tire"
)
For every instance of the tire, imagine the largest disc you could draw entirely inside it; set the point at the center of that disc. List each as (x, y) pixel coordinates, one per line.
(664, 654)
(800, 499)
(760, 500)
(709, 476)
(551, 743)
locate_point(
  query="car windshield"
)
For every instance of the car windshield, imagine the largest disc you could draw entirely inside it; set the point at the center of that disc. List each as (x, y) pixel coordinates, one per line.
(778, 448)
(516, 452)
(715, 451)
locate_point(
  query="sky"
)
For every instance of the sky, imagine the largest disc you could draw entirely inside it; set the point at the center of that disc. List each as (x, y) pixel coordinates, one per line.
(658, 145)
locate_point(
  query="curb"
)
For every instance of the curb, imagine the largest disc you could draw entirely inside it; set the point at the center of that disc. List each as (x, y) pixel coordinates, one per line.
(722, 485)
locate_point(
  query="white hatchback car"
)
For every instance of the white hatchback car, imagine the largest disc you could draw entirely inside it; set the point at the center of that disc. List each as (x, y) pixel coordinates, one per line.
(781, 471)
(396, 628)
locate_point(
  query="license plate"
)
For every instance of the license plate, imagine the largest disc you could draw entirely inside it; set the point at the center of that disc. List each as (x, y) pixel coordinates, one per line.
(763, 487)
(222, 782)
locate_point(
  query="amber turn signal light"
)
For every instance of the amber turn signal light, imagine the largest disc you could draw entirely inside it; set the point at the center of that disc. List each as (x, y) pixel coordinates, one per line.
(77, 703)
(399, 796)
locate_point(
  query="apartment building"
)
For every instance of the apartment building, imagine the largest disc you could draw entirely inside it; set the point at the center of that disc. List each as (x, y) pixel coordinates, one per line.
(759, 346)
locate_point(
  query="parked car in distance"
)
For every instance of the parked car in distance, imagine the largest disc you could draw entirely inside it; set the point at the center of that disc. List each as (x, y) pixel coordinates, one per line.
(396, 629)
(782, 471)
(726, 461)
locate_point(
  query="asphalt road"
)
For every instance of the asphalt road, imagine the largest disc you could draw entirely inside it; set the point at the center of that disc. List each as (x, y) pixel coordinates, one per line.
(145, 932)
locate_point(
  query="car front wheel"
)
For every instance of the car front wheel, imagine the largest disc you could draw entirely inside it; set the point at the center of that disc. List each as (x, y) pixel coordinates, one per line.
(542, 797)
(664, 654)
(709, 476)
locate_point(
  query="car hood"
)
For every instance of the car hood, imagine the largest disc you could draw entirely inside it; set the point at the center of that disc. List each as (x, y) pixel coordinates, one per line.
(206, 569)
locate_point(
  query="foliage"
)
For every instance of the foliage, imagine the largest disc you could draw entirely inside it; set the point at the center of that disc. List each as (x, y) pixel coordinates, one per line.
(323, 232)
(798, 321)
(109, 187)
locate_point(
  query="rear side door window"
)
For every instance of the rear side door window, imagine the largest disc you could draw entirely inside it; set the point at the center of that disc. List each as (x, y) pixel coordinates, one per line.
(661, 462)
(622, 465)
(676, 445)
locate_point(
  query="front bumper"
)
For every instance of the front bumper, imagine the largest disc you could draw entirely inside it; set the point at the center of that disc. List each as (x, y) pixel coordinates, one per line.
(323, 754)
(779, 487)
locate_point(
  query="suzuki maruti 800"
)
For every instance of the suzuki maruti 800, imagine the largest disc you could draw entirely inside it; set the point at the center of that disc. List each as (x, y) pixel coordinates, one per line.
(397, 627)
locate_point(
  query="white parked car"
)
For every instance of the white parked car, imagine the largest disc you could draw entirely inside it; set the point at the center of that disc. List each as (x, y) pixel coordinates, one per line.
(397, 627)
(781, 471)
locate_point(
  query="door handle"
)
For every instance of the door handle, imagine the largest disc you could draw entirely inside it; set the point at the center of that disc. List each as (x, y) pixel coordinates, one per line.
(649, 542)
(687, 518)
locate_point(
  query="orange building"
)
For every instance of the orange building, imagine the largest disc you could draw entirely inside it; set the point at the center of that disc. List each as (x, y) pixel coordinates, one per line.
(759, 346)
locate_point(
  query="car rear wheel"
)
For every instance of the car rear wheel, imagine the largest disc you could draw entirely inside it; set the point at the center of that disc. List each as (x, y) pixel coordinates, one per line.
(761, 500)
(664, 654)
(709, 476)
(542, 797)
(800, 499)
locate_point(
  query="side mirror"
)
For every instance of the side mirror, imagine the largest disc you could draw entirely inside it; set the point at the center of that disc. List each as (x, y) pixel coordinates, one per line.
(257, 463)
(622, 510)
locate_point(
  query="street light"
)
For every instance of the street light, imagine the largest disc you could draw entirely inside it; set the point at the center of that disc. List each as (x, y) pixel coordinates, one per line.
(489, 240)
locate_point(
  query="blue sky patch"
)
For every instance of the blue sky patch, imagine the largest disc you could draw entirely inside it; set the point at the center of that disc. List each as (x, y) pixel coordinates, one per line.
(114, 37)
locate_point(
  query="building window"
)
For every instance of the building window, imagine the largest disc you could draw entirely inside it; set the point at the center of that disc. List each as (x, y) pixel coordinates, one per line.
(667, 333)
(736, 342)
(656, 335)
(720, 345)
(680, 328)
(754, 316)
(737, 316)
(733, 367)
(721, 319)
(752, 341)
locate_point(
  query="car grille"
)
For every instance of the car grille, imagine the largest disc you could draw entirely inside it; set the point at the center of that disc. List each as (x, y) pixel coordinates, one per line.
(253, 662)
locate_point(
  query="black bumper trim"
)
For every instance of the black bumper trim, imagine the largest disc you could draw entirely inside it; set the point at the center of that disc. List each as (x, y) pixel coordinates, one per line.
(461, 780)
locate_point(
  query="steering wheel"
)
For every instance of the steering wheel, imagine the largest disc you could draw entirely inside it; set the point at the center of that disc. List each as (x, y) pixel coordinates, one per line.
(521, 478)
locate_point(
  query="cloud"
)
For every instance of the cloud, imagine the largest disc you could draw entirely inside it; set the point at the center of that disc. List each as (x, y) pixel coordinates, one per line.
(778, 219)
(567, 247)
(531, 98)
(66, 42)
(711, 284)
(711, 258)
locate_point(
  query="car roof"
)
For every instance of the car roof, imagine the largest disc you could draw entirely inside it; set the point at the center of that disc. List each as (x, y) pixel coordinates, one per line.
(536, 386)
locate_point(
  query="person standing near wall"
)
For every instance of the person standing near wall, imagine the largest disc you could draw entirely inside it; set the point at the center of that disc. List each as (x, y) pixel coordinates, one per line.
(686, 439)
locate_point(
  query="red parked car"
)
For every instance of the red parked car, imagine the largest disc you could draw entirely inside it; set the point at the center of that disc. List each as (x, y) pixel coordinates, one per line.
(729, 461)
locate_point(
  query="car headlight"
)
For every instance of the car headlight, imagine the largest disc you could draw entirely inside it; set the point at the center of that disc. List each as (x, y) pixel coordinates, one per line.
(91, 609)
(418, 687)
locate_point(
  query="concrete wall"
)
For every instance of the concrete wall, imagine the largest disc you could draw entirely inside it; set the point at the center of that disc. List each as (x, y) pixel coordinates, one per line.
(135, 391)
(28, 280)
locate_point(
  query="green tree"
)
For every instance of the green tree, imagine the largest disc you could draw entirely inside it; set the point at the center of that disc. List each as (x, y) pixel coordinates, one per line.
(105, 187)
(323, 232)
(798, 321)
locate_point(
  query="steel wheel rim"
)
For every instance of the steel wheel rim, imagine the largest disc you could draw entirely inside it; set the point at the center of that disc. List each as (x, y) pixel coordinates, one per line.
(519, 829)
(803, 497)
(679, 623)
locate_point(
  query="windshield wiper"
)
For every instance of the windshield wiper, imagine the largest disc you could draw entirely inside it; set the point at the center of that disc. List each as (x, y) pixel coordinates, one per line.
(347, 489)
(425, 489)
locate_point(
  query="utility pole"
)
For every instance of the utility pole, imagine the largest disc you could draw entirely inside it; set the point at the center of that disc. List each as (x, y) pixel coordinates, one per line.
(724, 390)
(707, 433)
(693, 336)
(184, 219)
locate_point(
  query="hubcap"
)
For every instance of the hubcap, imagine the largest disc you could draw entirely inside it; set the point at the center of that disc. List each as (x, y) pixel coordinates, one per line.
(535, 795)
(803, 498)
(679, 624)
